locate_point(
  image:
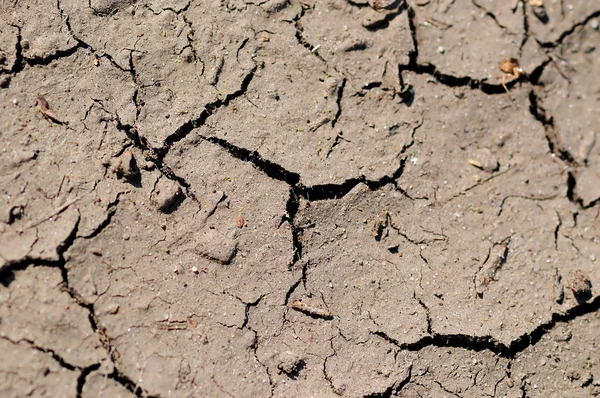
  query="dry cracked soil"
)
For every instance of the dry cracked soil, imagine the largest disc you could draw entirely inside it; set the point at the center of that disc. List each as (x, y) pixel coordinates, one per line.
(285, 198)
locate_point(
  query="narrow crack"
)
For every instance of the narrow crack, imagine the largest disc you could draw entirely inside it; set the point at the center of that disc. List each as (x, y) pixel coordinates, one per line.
(95, 324)
(7, 275)
(61, 361)
(326, 376)
(18, 64)
(299, 30)
(249, 305)
(525, 27)
(21, 61)
(556, 230)
(427, 313)
(173, 10)
(440, 385)
(533, 198)
(493, 17)
(413, 55)
(448, 80)
(292, 206)
(336, 191)
(572, 195)
(254, 348)
(340, 93)
(547, 122)
(208, 111)
(394, 389)
(85, 372)
(488, 343)
(431, 70)
(111, 209)
(270, 169)
(564, 35)
(454, 81)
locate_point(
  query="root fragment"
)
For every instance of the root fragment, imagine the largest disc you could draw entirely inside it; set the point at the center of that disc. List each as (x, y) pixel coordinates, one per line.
(311, 311)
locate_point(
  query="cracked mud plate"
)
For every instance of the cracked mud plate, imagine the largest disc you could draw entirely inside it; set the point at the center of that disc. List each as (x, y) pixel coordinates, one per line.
(282, 198)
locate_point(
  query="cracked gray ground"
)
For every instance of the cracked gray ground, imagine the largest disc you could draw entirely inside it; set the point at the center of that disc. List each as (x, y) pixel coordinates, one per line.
(365, 163)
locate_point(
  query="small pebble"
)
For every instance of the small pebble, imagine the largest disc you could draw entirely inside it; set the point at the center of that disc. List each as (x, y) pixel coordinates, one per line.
(579, 283)
(290, 363)
(166, 194)
(124, 166)
(484, 159)
(441, 50)
(5, 82)
(195, 270)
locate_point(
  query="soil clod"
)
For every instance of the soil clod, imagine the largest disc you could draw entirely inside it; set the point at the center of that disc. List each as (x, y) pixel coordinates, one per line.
(125, 166)
(290, 363)
(580, 284)
(216, 246)
(166, 194)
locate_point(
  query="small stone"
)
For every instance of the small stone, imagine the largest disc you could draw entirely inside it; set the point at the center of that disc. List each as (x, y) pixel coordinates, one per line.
(195, 270)
(216, 246)
(441, 50)
(579, 283)
(353, 44)
(188, 55)
(540, 13)
(588, 185)
(484, 159)
(5, 82)
(290, 363)
(587, 379)
(125, 166)
(240, 222)
(166, 194)
(148, 166)
(15, 213)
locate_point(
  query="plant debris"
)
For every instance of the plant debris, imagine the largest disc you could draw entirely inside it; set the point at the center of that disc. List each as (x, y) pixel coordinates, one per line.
(311, 311)
(46, 111)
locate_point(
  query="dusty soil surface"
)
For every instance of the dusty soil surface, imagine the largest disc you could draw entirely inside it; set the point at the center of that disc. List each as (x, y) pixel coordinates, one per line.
(284, 198)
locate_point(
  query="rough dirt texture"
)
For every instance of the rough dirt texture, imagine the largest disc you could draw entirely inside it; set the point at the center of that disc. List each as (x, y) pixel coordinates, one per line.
(291, 198)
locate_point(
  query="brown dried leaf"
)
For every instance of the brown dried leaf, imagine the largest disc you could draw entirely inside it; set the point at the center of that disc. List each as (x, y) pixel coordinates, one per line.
(46, 111)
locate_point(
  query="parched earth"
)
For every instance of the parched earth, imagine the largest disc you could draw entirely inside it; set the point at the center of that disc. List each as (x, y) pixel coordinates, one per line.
(286, 198)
